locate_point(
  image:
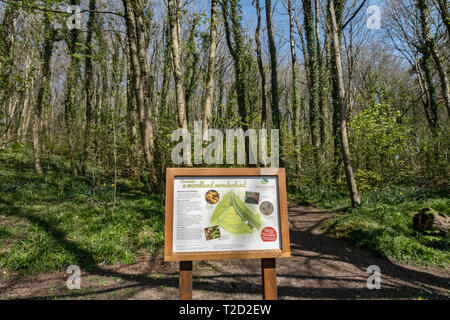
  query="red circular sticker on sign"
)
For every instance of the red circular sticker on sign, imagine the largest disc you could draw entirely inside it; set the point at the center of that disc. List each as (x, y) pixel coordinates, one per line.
(268, 234)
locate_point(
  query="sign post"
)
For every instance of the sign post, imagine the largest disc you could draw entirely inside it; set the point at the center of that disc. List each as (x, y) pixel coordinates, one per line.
(269, 279)
(221, 214)
(185, 280)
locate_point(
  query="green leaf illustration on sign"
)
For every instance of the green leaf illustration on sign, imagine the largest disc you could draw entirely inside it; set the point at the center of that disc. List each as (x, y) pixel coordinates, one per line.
(233, 215)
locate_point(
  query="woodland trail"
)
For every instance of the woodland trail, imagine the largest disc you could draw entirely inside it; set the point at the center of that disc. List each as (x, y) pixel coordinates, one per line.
(320, 268)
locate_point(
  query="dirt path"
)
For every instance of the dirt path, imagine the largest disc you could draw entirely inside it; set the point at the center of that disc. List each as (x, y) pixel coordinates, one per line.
(320, 268)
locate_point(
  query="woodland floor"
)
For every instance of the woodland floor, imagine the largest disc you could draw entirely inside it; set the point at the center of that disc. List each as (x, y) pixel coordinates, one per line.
(320, 268)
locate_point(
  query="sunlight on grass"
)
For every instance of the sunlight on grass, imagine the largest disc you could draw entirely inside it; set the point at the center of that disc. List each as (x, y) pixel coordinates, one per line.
(43, 228)
(383, 224)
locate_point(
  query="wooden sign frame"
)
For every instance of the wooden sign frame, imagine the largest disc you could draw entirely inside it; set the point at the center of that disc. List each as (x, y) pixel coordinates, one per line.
(172, 173)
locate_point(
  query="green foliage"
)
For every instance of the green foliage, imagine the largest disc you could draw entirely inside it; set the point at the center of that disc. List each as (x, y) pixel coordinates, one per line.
(390, 149)
(432, 154)
(163, 143)
(383, 225)
(333, 197)
(381, 145)
(48, 225)
(17, 147)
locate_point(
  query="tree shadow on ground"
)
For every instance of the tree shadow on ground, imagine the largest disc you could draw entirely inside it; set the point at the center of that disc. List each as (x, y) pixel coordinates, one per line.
(297, 278)
(319, 246)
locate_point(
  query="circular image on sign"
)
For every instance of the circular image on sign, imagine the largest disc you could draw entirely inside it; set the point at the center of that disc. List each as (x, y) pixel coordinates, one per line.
(266, 208)
(268, 234)
(212, 197)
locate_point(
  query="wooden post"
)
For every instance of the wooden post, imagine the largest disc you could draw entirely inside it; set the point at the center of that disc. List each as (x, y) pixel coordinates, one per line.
(185, 280)
(269, 279)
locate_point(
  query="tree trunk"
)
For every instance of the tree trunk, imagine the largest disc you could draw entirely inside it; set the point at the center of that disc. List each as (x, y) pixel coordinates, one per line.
(176, 55)
(337, 153)
(425, 95)
(351, 184)
(276, 115)
(7, 40)
(89, 81)
(237, 53)
(211, 70)
(144, 121)
(191, 71)
(443, 77)
(304, 50)
(261, 68)
(276, 112)
(131, 112)
(146, 82)
(322, 90)
(166, 69)
(443, 10)
(43, 91)
(426, 51)
(296, 103)
(313, 81)
(71, 98)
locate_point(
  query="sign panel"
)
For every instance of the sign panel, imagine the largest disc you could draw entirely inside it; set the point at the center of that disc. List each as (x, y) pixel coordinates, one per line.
(226, 213)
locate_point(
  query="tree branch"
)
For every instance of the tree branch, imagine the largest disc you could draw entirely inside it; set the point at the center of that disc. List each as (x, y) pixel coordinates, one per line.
(354, 14)
(39, 8)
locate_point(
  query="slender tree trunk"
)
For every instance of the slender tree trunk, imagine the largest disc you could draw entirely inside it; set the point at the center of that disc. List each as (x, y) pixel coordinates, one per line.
(221, 88)
(261, 68)
(131, 112)
(237, 53)
(443, 10)
(166, 69)
(176, 55)
(351, 184)
(426, 51)
(276, 115)
(296, 102)
(425, 97)
(7, 40)
(191, 71)
(211, 70)
(304, 50)
(144, 121)
(443, 77)
(337, 154)
(276, 112)
(147, 83)
(89, 81)
(313, 82)
(43, 91)
(27, 108)
(71, 98)
(322, 90)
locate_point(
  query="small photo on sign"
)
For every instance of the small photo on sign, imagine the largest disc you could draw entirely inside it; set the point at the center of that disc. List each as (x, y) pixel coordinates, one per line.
(266, 208)
(212, 233)
(251, 197)
(212, 197)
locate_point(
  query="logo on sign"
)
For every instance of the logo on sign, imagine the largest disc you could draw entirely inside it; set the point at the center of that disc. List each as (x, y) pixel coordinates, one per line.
(268, 234)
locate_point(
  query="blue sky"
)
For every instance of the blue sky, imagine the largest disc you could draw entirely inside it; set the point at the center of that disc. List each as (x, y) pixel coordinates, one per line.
(281, 22)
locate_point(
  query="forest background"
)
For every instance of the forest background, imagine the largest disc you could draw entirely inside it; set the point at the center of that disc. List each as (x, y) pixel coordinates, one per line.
(89, 99)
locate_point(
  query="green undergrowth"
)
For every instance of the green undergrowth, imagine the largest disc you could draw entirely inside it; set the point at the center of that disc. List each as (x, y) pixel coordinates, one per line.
(52, 221)
(383, 224)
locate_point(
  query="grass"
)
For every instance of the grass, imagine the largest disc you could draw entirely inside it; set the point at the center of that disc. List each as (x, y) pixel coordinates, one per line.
(52, 221)
(383, 224)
